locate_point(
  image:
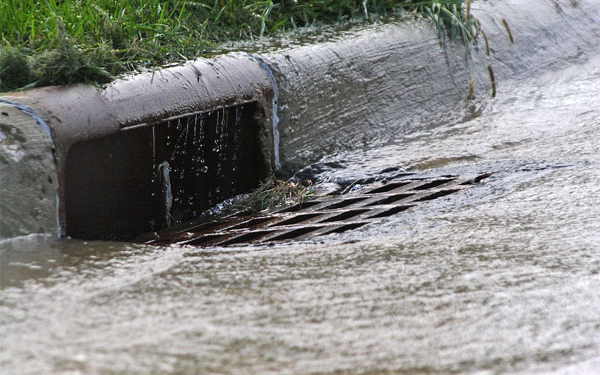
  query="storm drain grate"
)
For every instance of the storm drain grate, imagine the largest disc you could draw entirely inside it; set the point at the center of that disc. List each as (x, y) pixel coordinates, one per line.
(324, 215)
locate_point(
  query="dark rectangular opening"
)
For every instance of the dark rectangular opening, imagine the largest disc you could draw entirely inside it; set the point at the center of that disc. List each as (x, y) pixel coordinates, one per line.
(345, 203)
(437, 194)
(391, 199)
(203, 239)
(148, 178)
(294, 233)
(391, 211)
(433, 184)
(344, 228)
(247, 237)
(344, 215)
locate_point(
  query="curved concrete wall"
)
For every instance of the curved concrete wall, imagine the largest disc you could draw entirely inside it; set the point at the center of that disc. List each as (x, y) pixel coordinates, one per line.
(367, 88)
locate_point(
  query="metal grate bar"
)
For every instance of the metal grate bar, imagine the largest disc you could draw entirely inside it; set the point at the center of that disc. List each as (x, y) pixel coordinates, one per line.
(322, 216)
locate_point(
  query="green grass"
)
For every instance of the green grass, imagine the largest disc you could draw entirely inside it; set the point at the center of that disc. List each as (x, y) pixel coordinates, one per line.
(50, 42)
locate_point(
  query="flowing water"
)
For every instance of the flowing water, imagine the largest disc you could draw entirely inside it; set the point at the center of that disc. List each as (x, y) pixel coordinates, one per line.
(504, 277)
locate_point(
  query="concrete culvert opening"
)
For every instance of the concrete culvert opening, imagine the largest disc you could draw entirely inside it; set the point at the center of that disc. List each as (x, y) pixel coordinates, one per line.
(150, 177)
(152, 150)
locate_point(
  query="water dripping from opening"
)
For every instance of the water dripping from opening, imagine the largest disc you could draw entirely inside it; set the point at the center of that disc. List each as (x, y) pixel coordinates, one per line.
(164, 173)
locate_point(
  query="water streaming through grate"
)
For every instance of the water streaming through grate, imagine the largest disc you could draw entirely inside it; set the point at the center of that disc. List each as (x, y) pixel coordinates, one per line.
(324, 215)
(154, 176)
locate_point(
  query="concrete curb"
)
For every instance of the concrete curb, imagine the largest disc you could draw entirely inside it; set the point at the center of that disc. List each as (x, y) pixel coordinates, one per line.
(384, 82)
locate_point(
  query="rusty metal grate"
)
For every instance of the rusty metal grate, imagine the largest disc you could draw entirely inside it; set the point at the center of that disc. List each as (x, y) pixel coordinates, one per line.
(324, 215)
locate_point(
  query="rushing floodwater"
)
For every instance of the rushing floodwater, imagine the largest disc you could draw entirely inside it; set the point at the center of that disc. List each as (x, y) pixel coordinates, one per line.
(502, 277)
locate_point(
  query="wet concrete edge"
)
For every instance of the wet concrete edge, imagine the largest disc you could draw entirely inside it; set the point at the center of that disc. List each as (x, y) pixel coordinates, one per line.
(387, 81)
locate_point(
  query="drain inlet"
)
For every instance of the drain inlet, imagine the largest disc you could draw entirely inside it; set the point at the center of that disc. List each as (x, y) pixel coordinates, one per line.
(326, 215)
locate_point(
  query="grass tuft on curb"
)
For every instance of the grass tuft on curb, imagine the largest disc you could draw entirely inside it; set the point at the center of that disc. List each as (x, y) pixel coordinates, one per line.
(55, 42)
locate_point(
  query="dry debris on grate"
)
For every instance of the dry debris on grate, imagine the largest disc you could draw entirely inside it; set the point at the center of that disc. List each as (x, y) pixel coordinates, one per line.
(321, 216)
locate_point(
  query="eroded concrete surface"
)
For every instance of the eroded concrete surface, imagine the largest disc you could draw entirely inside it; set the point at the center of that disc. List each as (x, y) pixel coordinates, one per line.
(28, 180)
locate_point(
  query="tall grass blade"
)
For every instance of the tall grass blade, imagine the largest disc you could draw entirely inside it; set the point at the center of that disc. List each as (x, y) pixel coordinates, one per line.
(492, 80)
(508, 32)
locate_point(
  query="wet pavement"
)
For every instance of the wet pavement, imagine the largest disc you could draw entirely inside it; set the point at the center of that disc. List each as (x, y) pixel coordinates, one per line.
(501, 278)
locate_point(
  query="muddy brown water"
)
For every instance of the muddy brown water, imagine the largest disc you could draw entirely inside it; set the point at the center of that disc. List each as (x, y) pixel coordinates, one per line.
(504, 277)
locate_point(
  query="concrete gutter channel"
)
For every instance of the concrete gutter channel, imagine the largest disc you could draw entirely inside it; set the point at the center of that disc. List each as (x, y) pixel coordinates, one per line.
(160, 147)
